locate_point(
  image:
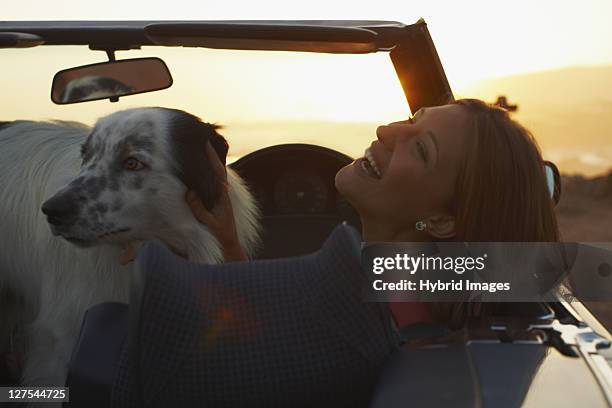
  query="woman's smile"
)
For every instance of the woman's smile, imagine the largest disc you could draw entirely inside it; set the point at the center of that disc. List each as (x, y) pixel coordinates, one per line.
(364, 168)
(399, 180)
(372, 160)
(369, 165)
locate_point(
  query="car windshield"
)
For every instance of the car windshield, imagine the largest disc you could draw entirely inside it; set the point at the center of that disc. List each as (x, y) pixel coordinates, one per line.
(260, 98)
(337, 101)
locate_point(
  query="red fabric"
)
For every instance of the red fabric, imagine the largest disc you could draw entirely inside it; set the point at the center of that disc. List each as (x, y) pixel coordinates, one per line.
(406, 313)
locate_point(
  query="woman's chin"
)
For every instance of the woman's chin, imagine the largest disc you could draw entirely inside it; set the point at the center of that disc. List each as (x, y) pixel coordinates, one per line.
(348, 184)
(343, 180)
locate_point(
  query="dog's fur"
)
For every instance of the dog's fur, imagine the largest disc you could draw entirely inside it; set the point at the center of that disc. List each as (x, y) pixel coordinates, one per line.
(80, 174)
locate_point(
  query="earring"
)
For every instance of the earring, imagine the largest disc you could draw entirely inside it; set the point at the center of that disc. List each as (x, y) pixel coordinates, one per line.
(420, 225)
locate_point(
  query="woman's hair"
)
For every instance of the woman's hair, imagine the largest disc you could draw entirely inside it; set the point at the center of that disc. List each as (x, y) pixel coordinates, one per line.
(500, 195)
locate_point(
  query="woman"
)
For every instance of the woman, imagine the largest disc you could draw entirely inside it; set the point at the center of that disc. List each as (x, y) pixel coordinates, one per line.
(464, 171)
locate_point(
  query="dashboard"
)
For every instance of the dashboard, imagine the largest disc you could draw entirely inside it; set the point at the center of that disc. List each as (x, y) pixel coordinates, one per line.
(294, 187)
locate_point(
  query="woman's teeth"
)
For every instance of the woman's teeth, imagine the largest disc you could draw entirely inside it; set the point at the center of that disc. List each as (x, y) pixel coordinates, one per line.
(372, 162)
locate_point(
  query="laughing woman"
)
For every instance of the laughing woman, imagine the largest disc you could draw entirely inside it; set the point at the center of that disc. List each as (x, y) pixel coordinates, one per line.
(296, 332)
(465, 171)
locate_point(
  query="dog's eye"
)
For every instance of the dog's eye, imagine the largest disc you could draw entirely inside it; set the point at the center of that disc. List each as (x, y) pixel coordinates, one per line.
(132, 164)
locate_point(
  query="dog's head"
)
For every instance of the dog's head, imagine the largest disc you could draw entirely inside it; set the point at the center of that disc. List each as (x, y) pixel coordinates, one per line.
(137, 165)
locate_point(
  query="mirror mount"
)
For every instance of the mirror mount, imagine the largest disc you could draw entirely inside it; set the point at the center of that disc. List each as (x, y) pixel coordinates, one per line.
(110, 54)
(111, 57)
(108, 47)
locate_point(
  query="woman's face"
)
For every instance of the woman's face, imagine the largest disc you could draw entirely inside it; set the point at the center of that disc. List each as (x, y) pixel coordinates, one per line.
(409, 173)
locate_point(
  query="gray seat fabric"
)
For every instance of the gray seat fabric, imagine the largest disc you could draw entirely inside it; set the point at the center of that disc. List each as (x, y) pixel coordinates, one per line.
(276, 333)
(91, 368)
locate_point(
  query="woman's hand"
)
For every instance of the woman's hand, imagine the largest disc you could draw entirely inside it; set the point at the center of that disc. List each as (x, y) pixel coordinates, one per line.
(128, 253)
(220, 220)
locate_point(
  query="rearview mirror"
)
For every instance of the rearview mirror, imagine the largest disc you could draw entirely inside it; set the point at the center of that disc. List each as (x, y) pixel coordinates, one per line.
(110, 80)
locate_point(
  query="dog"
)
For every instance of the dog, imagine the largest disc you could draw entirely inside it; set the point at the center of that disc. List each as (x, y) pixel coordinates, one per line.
(71, 197)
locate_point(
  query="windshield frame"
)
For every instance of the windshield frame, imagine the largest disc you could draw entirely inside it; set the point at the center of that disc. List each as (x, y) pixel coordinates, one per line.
(411, 47)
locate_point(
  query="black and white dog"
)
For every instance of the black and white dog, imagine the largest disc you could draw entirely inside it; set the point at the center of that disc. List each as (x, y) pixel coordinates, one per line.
(122, 181)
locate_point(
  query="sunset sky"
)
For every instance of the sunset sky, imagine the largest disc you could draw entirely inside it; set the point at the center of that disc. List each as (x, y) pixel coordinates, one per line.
(476, 40)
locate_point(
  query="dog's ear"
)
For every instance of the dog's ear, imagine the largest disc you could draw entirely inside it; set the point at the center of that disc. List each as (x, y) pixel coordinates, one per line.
(189, 137)
(219, 143)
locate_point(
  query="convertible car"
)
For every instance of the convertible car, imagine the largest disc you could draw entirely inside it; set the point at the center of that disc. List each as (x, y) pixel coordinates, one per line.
(532, 354)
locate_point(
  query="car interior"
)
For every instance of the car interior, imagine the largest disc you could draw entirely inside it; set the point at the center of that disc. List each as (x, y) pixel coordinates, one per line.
(294, 196)
(490, 363)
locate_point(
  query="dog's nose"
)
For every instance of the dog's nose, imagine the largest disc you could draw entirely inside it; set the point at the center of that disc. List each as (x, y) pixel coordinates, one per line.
(60, 209)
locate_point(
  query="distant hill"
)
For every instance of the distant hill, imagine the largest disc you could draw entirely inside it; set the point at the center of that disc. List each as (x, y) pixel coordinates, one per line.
(568, 110)
(597, 188)
(585, 209)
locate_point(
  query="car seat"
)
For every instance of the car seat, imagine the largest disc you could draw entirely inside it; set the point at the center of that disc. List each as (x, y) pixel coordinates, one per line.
(285, 332)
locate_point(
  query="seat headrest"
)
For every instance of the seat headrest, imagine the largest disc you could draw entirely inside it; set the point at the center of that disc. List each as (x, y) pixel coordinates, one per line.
(293, 324)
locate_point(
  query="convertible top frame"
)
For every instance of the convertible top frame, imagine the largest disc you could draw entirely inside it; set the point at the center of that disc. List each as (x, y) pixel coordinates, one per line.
(411, 48)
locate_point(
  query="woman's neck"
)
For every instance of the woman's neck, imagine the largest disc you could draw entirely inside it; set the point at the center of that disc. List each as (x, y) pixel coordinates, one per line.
(377, 231)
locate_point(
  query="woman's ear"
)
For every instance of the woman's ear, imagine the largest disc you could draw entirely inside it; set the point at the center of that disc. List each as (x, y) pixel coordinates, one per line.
(440, 226)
